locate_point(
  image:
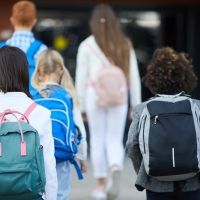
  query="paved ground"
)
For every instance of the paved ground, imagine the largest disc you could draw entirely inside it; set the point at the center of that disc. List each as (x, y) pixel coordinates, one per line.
(81, 189)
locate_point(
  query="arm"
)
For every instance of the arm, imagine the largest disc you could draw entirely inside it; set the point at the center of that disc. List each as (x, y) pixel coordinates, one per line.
(135, 82)
(46, 140)
(81, 74)
(132, 145)
(82, 148)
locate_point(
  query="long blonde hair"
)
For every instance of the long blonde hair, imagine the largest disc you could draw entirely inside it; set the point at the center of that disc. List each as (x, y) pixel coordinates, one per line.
(48, 62)
(109, 37)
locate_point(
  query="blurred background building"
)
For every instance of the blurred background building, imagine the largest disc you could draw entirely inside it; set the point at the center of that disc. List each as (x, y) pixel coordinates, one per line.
(149, 24)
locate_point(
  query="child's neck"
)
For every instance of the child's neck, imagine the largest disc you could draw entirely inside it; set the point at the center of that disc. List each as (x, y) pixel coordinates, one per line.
(51, 78)
(21, 28)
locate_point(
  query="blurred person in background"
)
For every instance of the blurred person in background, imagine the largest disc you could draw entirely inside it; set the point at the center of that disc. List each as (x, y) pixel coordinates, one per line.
(106, 125)
(23, 19)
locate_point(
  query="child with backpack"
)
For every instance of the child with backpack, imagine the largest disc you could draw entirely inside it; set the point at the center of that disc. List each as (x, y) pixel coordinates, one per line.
(23, 20)
(25, 132)
(163, 141)
(57, 93)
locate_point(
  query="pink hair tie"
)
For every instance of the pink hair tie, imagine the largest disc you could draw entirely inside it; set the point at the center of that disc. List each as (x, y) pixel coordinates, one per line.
(102, 20)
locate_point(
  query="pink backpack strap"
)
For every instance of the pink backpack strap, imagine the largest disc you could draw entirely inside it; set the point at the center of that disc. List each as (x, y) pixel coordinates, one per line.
(28, 111)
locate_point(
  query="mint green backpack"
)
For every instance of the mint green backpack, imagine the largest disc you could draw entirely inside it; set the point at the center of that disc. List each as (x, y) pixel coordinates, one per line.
(22, 175)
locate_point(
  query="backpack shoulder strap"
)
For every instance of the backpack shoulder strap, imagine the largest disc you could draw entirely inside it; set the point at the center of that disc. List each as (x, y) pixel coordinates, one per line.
(2, 44)
(95, 52)
(173, 96)
(34, 47)
(28, 111)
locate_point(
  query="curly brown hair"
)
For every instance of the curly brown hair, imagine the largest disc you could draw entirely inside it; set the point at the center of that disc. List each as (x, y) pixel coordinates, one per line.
(170, 72)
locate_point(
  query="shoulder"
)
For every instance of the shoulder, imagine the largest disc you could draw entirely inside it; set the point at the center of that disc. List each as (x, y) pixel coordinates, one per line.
(90, 40)
(197, 102)
(40, 47)
(3, 43)
(63, 94)
(44, 112)
(61, 91)
(137, 110)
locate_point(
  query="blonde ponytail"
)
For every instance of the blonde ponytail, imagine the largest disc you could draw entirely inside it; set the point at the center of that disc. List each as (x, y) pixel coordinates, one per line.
(48, 62)
(40, 65)
(67, 83)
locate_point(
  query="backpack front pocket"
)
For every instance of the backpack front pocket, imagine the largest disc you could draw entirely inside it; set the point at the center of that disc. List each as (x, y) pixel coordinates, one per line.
(15, 182)
(170, 139)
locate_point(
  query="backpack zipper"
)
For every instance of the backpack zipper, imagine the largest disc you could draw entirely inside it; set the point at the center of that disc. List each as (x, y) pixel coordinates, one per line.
(167, 115)
(155, 119)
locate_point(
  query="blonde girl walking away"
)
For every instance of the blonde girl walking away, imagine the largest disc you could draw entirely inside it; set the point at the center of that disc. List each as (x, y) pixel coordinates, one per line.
(106, 124)
(52, 79)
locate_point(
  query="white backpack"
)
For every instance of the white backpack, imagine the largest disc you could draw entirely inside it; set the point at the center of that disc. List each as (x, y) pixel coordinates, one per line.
(111, 85)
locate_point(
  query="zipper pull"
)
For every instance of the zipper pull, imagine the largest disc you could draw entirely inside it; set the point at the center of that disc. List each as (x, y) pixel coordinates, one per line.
(155, 120)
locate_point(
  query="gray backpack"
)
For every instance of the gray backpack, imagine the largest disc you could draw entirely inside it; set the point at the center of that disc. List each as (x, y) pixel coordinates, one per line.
(169, 132)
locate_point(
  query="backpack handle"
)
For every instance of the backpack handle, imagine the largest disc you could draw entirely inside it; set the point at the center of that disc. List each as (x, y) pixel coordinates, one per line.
(12, 112)
(7, 112)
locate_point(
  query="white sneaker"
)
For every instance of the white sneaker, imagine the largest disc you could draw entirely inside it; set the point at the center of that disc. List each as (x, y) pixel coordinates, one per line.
(113, 186)
(99, 193)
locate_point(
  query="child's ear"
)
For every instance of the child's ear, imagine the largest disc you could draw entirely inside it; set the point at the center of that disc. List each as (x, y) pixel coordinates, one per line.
(61, 73)
(39, 75)
(12, 21)
(34, 22)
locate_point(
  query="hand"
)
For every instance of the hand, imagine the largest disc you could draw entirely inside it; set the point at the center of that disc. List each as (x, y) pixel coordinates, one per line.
(84, 117)
(83, 166)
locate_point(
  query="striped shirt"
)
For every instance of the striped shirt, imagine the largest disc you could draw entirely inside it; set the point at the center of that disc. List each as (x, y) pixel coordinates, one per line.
(23, 40)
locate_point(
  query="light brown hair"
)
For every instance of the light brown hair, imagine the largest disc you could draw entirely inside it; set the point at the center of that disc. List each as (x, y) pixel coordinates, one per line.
(24, 13)
(170, 72)
(109, 37)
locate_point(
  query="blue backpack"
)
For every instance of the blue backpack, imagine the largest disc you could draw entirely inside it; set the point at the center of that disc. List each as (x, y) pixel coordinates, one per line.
(34, 47)
(66, 134)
